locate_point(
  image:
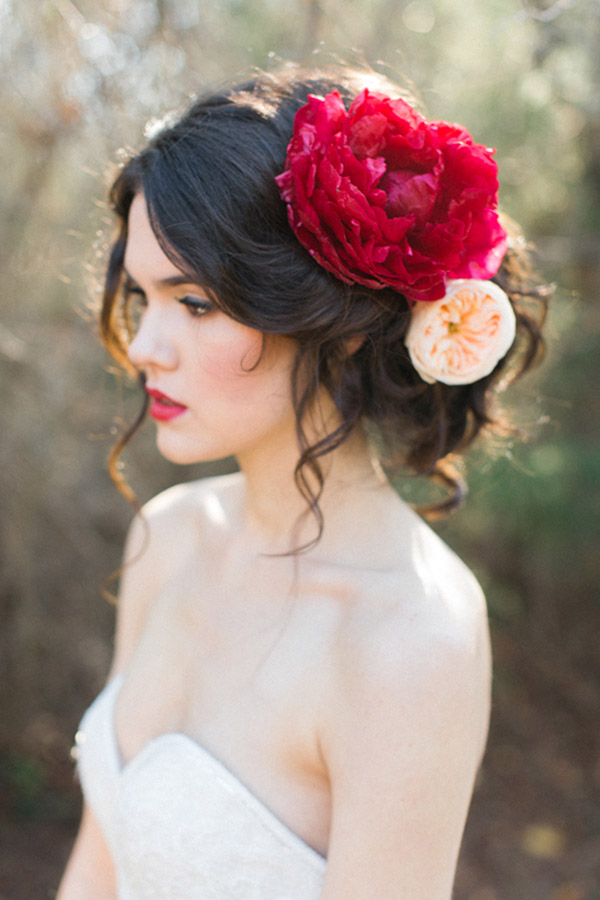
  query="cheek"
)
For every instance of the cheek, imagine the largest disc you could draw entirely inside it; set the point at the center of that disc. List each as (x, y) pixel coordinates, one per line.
(234, 369)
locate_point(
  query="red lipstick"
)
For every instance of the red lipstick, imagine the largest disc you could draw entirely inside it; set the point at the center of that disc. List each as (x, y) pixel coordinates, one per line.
(163, 408)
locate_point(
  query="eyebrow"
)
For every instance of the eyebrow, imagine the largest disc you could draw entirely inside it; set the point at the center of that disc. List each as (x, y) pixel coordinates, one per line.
(171, 281)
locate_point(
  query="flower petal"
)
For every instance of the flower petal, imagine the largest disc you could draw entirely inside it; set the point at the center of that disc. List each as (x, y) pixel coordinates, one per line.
(411, 203)
(460, 338)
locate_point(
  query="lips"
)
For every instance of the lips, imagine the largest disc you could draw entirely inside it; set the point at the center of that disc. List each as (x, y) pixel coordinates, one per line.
(162, 407)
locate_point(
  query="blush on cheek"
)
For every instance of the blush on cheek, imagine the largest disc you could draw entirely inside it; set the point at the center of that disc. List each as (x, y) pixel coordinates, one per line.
(232, 364)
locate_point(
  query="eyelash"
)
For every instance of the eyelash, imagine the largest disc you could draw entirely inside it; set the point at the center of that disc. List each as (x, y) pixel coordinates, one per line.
(196, 306)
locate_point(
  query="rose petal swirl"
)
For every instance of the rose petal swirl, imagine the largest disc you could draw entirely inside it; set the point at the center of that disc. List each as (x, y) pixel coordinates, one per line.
(382, 197)
(460, 338)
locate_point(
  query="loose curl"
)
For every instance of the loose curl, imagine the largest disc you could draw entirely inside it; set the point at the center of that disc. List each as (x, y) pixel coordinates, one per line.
(216, 211)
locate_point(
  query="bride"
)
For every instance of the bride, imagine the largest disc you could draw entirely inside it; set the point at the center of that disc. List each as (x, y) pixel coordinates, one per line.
(299, 699)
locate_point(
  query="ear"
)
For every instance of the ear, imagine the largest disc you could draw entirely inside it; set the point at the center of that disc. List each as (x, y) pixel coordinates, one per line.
(354, 343)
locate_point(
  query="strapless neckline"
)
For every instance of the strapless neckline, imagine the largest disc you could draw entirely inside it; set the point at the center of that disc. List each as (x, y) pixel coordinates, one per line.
(122, 768)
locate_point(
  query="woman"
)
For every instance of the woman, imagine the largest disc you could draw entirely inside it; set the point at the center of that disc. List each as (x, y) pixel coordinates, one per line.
(299, 698)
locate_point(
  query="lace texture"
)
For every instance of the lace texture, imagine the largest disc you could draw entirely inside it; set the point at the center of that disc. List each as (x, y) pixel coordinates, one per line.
(180, 826)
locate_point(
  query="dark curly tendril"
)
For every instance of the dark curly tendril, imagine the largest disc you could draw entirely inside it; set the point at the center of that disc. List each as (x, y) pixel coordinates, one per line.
(214, 206)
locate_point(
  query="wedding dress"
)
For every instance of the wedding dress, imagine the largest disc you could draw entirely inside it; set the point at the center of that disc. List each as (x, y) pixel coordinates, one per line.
(181, 826)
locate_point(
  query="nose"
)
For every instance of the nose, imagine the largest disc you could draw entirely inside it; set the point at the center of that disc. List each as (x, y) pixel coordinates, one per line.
(152, 346)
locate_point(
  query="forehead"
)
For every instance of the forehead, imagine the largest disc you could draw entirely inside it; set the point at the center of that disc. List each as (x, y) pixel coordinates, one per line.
(144, 257)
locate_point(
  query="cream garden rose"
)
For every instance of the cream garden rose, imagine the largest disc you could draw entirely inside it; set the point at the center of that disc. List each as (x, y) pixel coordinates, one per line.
(460, 338)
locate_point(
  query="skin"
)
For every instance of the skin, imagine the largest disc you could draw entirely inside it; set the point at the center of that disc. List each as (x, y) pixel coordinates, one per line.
(347, 687)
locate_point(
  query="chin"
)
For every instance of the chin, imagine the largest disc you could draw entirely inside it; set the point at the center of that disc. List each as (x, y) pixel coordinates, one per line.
(177, 452)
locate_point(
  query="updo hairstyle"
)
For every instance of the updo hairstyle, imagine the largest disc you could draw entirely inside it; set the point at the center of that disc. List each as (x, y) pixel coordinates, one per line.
(214, 206)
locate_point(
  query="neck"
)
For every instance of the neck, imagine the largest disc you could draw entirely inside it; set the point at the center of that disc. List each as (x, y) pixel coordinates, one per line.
(276, 514)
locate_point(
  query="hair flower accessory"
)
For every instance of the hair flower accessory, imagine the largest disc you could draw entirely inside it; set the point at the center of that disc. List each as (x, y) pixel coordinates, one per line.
(460, 338)
(380, 196)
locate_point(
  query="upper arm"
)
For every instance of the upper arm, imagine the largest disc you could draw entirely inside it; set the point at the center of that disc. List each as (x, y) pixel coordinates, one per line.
(135, 591)
(155, 542)
(408, 740)
(90, 872)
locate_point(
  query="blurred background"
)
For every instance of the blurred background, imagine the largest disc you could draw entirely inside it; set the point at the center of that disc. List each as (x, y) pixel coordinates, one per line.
(80, 78)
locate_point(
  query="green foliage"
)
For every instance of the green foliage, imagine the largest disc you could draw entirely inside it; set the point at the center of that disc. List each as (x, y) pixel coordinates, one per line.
(22, 782)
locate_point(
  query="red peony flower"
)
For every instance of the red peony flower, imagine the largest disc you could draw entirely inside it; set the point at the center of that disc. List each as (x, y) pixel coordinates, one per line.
(380, 196)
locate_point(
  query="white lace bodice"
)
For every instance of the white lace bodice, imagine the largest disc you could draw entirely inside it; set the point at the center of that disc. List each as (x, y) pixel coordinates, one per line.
(180, 826)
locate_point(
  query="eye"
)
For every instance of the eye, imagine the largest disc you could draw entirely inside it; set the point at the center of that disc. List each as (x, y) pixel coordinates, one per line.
(197, 306)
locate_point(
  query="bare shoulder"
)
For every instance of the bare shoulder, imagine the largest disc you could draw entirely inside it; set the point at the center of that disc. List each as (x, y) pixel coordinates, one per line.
(168, 530)
(407, 725)
(419, 639)
(427, 594)
(170, 525)
(185, 508)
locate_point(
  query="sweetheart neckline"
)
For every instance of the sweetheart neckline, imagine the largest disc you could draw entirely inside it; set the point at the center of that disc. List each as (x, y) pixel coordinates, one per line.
(112, 688)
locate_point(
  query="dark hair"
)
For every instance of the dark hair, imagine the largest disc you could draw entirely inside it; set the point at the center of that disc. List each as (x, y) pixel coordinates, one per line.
(216, 210)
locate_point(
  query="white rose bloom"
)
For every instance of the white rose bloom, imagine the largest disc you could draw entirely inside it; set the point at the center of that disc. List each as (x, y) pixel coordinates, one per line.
(460, 338)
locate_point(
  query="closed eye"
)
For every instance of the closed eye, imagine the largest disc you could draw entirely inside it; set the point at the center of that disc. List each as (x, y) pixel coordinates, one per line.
(197, 306)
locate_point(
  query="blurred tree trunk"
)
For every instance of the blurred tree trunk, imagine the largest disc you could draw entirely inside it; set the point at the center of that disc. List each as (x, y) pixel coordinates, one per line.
(312, 28)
